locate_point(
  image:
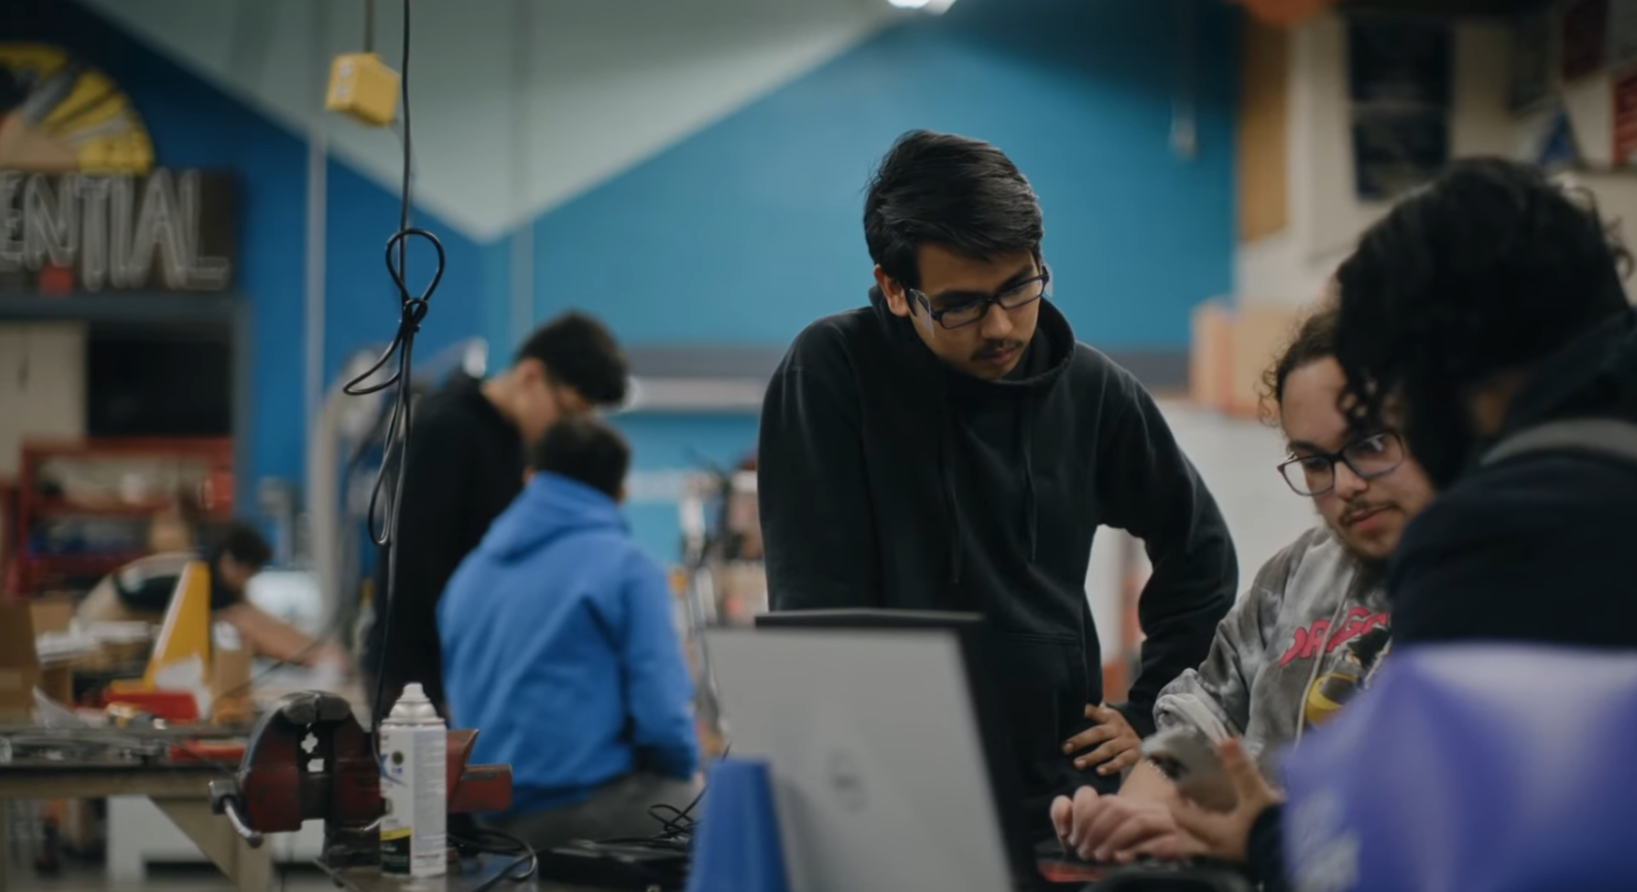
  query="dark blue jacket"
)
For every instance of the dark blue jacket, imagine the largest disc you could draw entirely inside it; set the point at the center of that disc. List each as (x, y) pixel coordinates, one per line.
(560, 648)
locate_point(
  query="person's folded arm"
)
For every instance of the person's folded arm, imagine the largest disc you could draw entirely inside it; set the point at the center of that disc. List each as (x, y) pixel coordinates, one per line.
(658, 688)
(818, 529)
(1152, 491)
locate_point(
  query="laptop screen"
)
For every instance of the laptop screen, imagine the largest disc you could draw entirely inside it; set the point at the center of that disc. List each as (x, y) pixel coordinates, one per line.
(971, 632)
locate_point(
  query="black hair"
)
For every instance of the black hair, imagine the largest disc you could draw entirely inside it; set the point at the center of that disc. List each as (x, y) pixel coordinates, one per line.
(585, 450)
(938, 188)
(579, 352)
(244, 544)
(1488, 269)
(1314, 339)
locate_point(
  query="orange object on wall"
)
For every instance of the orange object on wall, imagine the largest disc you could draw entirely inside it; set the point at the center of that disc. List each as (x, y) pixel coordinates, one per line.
(1284, 13)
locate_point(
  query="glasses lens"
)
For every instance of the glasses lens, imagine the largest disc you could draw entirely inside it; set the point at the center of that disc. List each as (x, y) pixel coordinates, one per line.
(963, 314)
(1309, 476)
(1022, 294)
(1373, 456)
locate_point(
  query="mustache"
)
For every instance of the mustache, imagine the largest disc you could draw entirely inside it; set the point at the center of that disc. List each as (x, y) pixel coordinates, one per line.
(991, 349)
(1355, 510)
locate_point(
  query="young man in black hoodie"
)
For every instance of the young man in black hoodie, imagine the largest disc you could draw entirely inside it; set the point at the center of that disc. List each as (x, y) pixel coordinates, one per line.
(952, 447)
(467, 447)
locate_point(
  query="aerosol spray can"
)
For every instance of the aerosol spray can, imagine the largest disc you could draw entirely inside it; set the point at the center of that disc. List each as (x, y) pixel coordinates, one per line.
(414, 780)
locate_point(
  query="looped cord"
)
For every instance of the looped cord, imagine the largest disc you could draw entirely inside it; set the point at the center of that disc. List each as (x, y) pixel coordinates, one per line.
(412, 309)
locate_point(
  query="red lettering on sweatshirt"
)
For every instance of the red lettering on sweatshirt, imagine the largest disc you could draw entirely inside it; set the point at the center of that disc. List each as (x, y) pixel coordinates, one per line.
(1307, 641)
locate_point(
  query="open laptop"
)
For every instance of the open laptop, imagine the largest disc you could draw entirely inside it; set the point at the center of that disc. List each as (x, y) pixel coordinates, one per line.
(885, 774)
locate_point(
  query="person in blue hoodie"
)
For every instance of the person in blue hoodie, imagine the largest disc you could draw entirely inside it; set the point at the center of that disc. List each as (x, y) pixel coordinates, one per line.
(560, 649)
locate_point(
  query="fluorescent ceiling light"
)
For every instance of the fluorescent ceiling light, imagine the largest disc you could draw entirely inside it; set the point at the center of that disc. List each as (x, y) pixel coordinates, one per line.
(932, 6)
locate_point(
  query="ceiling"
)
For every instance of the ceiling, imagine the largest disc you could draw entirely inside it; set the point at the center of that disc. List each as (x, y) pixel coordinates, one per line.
(1448, 7)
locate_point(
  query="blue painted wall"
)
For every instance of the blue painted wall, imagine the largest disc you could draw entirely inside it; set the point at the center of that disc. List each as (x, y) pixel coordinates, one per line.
(194, 124)
(751, 228)
(678, 443)
(361, 302)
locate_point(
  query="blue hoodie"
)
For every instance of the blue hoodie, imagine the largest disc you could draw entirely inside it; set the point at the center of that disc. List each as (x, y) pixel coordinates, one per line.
(559, 647)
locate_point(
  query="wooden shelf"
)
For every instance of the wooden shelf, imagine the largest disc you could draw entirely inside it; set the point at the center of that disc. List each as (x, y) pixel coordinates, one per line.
(34, 571)
(71, 563)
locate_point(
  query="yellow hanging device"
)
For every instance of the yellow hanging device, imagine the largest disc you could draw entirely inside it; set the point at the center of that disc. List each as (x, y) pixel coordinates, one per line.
(363, 88)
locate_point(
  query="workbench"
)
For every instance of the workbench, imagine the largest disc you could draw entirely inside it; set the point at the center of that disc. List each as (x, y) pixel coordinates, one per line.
(180, 790)
(473, 876)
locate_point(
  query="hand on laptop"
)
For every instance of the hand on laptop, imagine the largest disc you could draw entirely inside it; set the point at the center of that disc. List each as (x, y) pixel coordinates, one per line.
(1223, 835)
(1112, 828)
(1117, 746)
(1214, 834)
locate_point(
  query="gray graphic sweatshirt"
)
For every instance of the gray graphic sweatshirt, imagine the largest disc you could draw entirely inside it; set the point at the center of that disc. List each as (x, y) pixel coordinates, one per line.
(1291, 651)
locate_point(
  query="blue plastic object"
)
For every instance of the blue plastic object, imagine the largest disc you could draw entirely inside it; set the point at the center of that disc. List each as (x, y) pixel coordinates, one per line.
(1478, 768)
(737, 848)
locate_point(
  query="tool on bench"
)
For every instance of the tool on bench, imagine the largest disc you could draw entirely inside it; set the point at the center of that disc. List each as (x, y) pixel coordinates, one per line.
(309, 758)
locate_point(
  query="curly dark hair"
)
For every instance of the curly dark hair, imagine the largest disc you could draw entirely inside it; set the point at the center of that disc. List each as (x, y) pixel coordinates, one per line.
(1314, 339)
(939, 188)
(580, 352)
(1488, 269)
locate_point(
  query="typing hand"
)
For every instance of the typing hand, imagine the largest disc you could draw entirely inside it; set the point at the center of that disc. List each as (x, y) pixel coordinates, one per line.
(1113, 828)
(1117, 746)
(1214, 834)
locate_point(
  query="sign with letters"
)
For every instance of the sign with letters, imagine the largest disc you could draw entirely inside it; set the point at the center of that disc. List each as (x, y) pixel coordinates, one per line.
(166, 231)
(83, 207)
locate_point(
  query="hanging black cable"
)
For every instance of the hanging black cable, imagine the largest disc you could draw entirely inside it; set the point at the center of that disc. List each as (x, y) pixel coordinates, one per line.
(412, 310)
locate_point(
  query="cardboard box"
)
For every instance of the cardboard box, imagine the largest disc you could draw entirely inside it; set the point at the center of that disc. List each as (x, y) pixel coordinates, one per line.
(230, 686)
(1208, 354)
(52, 613)
(19, 662)
(1231, 348)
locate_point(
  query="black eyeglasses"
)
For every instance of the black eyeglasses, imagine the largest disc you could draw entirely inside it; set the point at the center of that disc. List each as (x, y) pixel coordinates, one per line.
(1369, 458)
(964, 308)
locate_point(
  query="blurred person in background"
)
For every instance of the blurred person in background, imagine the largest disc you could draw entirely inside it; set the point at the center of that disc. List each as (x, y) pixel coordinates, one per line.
(466, 457)
(1315, 623)
(560, 643)
(951, 446)
(141, 591)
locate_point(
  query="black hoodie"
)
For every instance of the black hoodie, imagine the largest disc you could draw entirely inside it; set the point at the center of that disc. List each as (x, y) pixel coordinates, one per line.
(889, 480)
(1537, 547)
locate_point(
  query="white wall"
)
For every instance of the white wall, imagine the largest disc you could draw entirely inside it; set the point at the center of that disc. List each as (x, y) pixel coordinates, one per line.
(518, 105)
(1326, 217)
(42, 386)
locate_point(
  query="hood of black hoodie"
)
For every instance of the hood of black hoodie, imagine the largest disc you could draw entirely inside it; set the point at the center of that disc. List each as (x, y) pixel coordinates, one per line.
(958, 396)
(1594, 375)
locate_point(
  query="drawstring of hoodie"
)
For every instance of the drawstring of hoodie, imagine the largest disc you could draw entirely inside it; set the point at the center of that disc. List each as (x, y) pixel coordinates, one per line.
(946, 458)
(1031, 515)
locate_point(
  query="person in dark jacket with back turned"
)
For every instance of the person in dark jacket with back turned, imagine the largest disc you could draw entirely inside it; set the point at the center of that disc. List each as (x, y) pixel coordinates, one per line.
(466, 463)
(952, 447)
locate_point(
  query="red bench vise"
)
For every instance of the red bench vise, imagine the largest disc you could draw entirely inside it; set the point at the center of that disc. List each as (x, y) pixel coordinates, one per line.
(309, 758)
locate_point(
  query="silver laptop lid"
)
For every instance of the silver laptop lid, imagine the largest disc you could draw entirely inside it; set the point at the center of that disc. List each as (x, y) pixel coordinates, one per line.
(879, 775)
